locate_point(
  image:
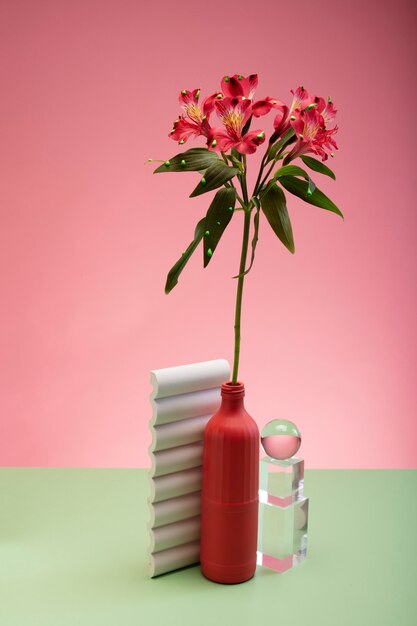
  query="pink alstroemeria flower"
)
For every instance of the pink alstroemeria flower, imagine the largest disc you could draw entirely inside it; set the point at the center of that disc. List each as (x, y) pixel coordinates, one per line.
(242, 87)
(195, 121)
(234, 113)
(312, 135)
(301, 100)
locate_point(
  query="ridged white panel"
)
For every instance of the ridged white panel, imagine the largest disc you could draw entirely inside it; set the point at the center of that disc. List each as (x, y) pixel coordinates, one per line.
(172, 381)
(176, 459)
(175, 509)
(183, 400)
(186, 405)
(179, 433)
(176, 484)
(170, 560)
(172, 535)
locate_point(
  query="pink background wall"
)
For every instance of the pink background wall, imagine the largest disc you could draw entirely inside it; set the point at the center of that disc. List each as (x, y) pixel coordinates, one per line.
(89, 92)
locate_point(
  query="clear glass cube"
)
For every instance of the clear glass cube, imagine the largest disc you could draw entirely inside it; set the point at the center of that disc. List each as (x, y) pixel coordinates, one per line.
(283, 514)
(281, 482)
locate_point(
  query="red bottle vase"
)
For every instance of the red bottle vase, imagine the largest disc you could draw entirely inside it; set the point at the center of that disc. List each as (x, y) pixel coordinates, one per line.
(229, 504)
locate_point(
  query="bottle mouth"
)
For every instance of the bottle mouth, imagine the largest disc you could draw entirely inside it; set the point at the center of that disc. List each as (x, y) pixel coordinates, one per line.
(233, 389)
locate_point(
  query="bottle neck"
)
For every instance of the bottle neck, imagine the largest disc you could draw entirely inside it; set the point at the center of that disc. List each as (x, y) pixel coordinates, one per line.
(232, 397)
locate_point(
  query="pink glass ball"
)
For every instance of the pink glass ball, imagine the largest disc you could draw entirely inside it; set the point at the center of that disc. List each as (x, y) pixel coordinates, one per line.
(280, 439)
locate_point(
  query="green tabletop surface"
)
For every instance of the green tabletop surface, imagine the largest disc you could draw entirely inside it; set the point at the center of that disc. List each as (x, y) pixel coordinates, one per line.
(73, 548)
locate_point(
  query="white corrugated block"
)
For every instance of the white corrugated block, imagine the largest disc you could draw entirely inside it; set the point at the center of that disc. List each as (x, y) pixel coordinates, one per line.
(183, 400)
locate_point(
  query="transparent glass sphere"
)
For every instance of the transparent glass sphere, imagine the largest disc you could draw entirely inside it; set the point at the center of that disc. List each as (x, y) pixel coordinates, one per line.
(280, 439)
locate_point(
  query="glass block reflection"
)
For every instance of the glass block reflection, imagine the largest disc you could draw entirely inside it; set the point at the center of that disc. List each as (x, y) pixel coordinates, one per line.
(283, 514)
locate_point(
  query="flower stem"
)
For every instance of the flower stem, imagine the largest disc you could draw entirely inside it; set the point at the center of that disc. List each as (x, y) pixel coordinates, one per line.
(243, 184)
(261, 169)
(261, 184)
(238, 311)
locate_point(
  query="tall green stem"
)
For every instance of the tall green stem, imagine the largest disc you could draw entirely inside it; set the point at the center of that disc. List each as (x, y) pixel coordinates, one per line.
(238, 311)
(261, 169)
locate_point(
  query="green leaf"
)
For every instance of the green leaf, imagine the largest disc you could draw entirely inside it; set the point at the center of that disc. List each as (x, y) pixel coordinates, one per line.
(294, 170)
(275, 210)
(254, 239)
(318, 166)
(288, 138)
(192, 160)
(215, 176)
(172, 278)
(290, 170)
(227, 156)
(300, 188)
(218, 216)
(233, 160)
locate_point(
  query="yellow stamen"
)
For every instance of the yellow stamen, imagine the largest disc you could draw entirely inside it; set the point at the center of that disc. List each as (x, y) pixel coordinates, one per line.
(233, 120)
(194, 111)
(310, 130)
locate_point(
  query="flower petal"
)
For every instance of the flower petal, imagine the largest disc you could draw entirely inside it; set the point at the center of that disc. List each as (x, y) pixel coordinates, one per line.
(232, 86)
(327, 110)
(299, 148)
(250, 142)
(281, 121)
(263, 107)
(244, 107)
(223, 106)
(188, 97)
(297, 122)
(239, 86)
(185, 128)
(219, 139)
(249, 85)
(301, 99)
(209, 102)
